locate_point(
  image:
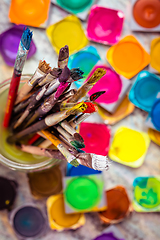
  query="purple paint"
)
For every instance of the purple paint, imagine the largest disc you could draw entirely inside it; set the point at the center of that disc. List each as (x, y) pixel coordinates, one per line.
(104, 25)
(110, 82)
(9, 42)
(107, 236)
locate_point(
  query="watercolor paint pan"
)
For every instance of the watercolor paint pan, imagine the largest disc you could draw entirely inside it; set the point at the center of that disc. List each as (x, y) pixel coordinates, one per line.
(153, 119)
(96, 137)
(9, 42)
(58, 219)
(104, 25)
(154, 135)
(145, 15)
(118, 206)
(28, 221)
(110, 233)
(116, 87)
(8, 191)
(155, 59)
(85, 59)
(45, 183)
(124, 109)
(129, 147)
(78, 8)
(146, 194)
(68, 31)
(144, 90)
(128, 57)
(84, 193)
(30, 13)
(81, 170)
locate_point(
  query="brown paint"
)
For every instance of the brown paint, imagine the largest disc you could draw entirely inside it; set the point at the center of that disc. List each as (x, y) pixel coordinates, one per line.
(45, 183)
(147, 13)
(118, 205)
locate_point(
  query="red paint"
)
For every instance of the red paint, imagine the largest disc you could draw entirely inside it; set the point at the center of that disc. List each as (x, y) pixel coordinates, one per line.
(91, 107)
(96, 138)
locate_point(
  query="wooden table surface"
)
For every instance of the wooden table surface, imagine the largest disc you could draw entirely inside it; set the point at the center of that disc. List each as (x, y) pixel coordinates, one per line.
(138, 226)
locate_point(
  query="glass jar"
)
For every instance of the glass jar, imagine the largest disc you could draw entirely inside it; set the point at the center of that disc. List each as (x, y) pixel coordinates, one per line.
(10, 156)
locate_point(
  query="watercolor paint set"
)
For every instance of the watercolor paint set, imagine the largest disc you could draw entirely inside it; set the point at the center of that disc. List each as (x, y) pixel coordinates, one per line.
(146, 194)
(114, 85)
(144, 90)
(145, 15)
(79, 8)
(153, 119)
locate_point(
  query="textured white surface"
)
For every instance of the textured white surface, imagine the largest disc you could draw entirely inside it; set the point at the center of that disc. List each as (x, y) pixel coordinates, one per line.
(138, 226)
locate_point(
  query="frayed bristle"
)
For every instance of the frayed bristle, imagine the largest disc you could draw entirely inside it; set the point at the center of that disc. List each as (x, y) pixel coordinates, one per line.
(99, 73)
(64, 75)
(63, 53)
(75, 163)
(91, 107)
(78, 137)
(76, 74)
(44, 67)
(56, 72)
(77, 144)
(26, 38)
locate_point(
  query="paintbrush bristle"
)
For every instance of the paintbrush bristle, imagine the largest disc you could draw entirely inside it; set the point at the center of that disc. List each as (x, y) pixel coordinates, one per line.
(76, 74)
(44, 67)
(63, 53)
(26, 38)
(99, 73)
(56, 72)
(64, 75)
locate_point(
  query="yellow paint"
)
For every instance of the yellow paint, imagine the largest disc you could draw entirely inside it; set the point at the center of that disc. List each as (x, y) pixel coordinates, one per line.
(129, 147)
(155, 54)
(58, 219)
(69, 32)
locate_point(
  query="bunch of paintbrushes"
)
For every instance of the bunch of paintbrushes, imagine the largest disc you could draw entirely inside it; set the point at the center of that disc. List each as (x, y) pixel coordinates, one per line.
(46, 111)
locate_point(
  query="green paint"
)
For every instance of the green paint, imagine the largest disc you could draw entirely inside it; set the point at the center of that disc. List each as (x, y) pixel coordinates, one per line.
(77, 144)
(147, 192)
(75, 6)
(83, 192)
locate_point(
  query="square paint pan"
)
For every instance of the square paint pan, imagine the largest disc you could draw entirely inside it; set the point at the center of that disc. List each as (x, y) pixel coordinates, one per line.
(69, 32)
(110, 233)
(129, 147)
(116, 87)
(84, 193)
(128, 57)
(155, 59)
(78, 8)
(104, 25)
(96, 138)
(145, 15)
(85, 59)
(58, 219)
(80, 170)
(144, 90)
(146, 194)
(9, 42)
(118, 206)
(124, 109)
(30, 13)
(154, 135)
(153, 119)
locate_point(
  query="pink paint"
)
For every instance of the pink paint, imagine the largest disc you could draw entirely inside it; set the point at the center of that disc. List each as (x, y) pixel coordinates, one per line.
(104, 25)
(96, 138)
(111, 83)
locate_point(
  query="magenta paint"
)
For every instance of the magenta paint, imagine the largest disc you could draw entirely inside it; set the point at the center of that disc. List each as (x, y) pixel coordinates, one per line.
(96, 138)
(104, 25)
(9, 42)
(110, 82)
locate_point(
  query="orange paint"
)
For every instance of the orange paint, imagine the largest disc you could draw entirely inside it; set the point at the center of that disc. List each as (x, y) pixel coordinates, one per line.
(154, 136)
(128, 57)
(28, 12)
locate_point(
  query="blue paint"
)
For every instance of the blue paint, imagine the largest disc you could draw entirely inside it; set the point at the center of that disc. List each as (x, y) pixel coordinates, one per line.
(85, 59)
(155, 114)
(80, 170)
(144, 90)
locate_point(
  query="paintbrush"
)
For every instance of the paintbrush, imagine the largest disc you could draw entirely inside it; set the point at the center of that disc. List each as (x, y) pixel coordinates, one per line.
(41, 71)
(84, 89)
(34, 100)
(69, 157)
(51, 77)
(63, 57)
(50, 120)
(76, 74)
(18, 67)
(96, 95)
(97, 162)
